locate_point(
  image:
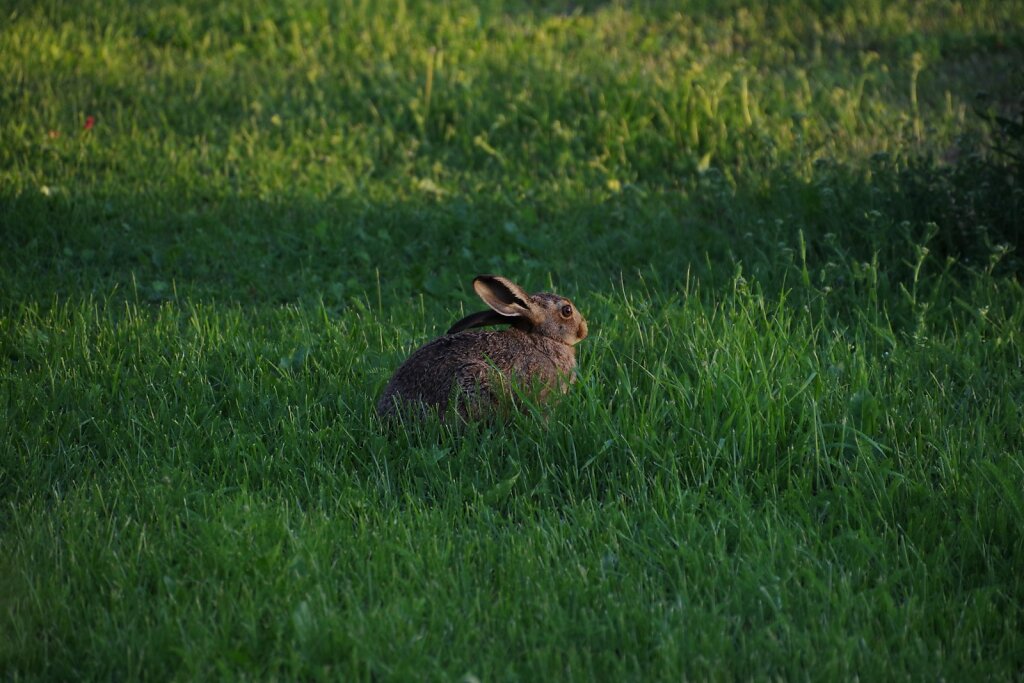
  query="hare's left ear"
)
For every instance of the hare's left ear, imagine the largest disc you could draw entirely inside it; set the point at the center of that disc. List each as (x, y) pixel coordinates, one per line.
(506, 298)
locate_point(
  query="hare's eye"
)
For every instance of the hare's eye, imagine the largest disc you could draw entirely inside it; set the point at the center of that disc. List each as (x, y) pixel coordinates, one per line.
(567, 311)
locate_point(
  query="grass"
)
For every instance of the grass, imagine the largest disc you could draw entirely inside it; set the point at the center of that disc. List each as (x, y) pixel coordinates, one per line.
(796, 447)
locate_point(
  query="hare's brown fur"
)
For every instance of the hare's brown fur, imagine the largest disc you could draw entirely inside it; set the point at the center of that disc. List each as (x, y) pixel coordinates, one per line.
(474, 369)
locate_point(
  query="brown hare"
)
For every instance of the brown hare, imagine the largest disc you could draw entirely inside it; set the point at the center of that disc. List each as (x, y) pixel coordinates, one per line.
(474, 369)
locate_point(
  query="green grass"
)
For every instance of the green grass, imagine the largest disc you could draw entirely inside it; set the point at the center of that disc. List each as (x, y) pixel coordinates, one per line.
(796, 447)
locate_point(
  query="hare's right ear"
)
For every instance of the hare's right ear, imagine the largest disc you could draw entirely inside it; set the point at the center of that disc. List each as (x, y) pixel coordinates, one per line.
(481, 319)
(506, 297)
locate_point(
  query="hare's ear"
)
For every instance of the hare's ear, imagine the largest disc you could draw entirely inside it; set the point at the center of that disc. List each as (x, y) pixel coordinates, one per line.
(506, 297)
(479, 319)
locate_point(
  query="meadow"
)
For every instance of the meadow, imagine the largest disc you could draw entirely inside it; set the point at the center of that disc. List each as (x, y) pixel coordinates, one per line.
(795, 447)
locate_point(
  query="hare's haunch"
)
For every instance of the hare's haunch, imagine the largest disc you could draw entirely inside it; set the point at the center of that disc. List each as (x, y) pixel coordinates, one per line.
(474, 368)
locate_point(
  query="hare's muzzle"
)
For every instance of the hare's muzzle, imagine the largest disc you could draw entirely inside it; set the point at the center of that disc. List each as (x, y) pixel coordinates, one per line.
(581, 332)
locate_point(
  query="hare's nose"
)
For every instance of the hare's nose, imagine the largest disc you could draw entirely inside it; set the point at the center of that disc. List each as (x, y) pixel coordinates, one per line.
(581, 333)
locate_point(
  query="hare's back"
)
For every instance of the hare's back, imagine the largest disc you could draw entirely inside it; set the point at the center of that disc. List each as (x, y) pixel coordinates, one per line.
(428, 375)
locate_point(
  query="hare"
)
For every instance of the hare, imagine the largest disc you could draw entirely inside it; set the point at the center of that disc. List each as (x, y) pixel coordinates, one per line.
(474, 369)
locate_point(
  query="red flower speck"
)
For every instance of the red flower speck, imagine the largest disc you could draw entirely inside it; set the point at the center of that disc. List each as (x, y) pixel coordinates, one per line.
(90, 121)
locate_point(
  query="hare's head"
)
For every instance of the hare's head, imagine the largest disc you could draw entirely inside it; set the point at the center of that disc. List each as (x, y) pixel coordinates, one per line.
(543, 313)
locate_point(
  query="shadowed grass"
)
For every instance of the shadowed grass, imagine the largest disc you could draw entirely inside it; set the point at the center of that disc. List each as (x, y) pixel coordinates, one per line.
(795, 447)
